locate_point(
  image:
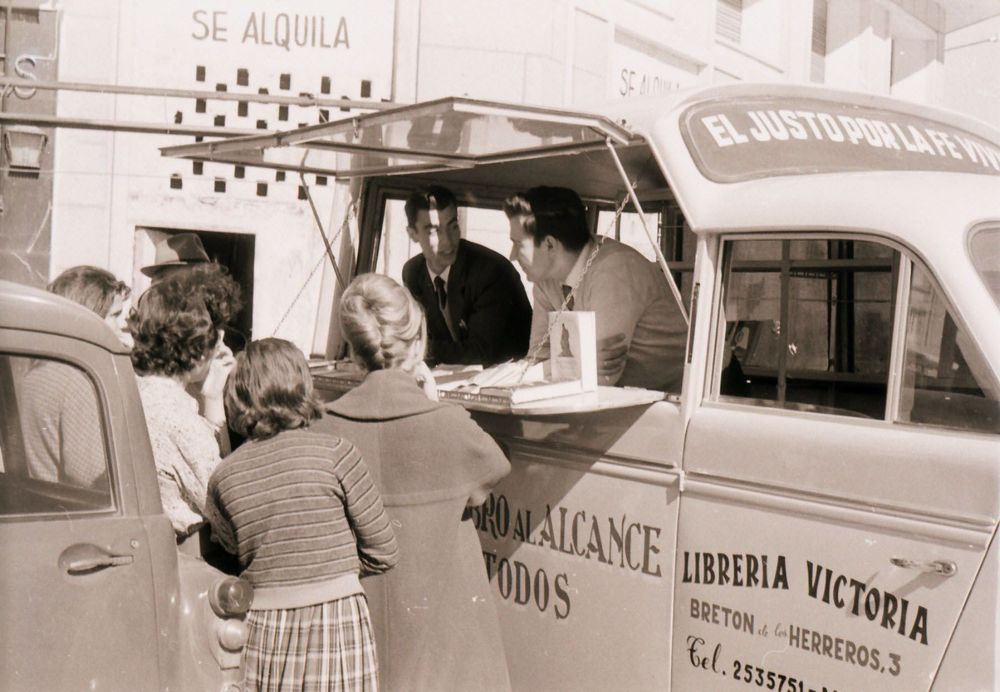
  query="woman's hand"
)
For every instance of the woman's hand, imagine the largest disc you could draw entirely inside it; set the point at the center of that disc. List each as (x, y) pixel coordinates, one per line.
(215, 383)
(218, 372)
(426, 380)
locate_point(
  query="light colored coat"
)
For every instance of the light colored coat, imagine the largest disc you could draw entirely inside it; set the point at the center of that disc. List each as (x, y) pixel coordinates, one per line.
(434, 616)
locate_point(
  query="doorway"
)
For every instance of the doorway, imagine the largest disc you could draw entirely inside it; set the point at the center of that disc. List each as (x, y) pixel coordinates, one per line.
(234, 251)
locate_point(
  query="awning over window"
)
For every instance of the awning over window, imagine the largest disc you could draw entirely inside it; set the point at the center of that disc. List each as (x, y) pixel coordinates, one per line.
(442, 134)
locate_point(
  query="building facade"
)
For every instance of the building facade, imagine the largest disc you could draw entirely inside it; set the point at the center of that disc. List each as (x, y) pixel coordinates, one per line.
(100, 195)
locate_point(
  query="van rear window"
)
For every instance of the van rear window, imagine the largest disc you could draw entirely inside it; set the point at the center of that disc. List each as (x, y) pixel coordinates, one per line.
(985, 251)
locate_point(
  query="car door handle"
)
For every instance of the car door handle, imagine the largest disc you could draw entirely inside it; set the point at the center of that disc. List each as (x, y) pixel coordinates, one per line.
(83, 558)
(946, 568)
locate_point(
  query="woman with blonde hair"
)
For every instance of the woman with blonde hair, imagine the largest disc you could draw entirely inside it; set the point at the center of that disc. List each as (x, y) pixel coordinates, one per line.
(434, 617)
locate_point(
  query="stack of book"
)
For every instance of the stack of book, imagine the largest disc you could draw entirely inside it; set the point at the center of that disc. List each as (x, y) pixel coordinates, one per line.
(570, 370)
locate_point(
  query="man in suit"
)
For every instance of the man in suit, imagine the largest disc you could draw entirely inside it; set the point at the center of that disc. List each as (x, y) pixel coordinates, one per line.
(641, 332)
(477, 309)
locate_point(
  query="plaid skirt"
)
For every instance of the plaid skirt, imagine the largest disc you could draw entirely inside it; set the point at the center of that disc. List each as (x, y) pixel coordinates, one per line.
(320, 648)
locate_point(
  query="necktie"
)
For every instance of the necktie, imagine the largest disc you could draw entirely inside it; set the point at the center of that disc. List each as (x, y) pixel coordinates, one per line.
(442, 298)
(442, 294)
(566, 290)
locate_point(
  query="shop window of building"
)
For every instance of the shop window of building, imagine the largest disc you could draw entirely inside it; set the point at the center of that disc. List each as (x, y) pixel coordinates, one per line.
(52, 440)
(945, 380)
(808, 324)
(729, 19)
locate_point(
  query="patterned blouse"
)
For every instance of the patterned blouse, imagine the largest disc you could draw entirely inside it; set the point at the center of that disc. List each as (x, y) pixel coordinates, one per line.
(185, 450)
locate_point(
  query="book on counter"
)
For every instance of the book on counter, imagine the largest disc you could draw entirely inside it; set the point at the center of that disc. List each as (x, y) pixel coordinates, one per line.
(570, 370)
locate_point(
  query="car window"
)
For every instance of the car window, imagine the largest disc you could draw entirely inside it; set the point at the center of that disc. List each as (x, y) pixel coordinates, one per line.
(945, 380)
(395, 246)
(984, 249)
(51, 439)
(808, 324)
(669, 228)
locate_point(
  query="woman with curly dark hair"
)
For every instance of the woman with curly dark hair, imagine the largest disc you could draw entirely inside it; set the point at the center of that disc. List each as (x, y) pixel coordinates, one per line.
(176, 342)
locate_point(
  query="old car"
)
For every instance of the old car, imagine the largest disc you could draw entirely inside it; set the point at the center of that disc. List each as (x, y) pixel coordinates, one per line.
(93, 591)
(816, 508)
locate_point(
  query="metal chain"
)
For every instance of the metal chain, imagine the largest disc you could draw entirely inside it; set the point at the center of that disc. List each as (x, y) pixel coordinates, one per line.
(532, 357)
(348, 215)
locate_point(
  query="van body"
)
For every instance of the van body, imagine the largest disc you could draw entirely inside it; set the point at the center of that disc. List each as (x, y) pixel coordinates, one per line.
(816, 508)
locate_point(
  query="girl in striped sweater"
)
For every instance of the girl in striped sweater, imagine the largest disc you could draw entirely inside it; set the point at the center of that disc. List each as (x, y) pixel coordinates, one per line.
(300, 512)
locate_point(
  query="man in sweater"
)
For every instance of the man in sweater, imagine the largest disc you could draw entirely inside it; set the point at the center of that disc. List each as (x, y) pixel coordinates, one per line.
(477, 309)
(640, 330)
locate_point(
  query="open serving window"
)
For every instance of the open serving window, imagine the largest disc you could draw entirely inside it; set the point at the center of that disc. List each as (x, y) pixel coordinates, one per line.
(483, 151)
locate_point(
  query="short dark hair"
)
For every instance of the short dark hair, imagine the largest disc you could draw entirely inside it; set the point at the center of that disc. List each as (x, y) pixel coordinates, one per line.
(216, 288)
(172, 330)
(554, 211)
(270, 390)
(433, 197)
(91, 287)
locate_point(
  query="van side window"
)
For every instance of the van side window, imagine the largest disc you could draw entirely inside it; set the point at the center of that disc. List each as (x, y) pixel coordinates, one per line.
(808, 324)
(51, 439)
(669, 228)
(945, 381)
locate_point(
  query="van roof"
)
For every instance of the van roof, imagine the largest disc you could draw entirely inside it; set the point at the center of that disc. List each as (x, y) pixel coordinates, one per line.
(27, 308)
(742, 155)
(641, 114)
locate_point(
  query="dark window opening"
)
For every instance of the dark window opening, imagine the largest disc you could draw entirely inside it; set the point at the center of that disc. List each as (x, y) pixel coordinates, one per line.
(235, 252)
(809, 324)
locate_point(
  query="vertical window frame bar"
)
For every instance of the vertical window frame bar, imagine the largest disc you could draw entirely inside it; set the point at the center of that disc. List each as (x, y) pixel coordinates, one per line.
(904, 272)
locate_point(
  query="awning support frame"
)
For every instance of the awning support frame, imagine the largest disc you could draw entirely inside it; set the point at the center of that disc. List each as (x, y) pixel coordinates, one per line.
(326, 240)
(660, 259)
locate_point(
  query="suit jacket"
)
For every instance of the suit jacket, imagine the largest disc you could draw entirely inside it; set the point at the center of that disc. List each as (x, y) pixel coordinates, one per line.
(487, 304)
(434, 615)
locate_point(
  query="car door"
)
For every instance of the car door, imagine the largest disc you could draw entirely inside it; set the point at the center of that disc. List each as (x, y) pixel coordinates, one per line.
(840, 474)
(75, 578)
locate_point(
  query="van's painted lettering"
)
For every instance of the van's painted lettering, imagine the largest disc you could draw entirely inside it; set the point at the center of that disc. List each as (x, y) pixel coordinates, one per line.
(841, 649)
(715, 614)
(517, 582)
(786, 124)
(888, 610)
(617, 541)
(737, 569)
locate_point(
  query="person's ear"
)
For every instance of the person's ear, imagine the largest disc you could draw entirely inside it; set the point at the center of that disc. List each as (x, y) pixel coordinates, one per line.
(550, 243)
(412, 232)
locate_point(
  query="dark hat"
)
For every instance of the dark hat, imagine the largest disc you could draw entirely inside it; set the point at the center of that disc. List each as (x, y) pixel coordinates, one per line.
(176, 251)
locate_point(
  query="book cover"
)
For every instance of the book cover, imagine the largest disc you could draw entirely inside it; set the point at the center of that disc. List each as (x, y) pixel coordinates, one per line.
(573, 348)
